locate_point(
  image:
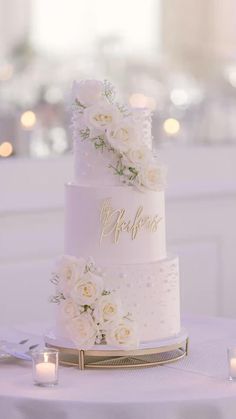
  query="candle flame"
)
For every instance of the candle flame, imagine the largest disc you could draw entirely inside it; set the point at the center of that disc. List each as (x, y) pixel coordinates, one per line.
(45, 357)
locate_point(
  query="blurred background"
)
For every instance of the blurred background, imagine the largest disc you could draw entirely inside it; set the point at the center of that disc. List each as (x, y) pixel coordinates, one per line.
(177, 57)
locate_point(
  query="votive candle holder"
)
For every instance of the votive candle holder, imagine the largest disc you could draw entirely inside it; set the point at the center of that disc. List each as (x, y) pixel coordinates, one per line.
(231, 354)
(45, 367)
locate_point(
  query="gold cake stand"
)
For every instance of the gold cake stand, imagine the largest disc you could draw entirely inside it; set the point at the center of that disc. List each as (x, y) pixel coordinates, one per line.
(101, 356)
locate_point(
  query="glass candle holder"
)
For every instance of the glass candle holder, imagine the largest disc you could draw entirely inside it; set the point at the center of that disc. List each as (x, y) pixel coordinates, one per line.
(45, 367)
(231, 353)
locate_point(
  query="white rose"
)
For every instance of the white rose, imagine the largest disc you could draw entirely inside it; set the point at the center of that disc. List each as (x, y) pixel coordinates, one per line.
(87, 92)
(67, 269)
(108, 309)
(123, 137)
(82, 330)
(68, 309)
(101, 116)
(138, 156)
(122, 333)
(153, 177)
(87, 289)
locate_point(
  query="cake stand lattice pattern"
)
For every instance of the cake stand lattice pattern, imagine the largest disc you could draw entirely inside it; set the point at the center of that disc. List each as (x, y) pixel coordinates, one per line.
(102, 358)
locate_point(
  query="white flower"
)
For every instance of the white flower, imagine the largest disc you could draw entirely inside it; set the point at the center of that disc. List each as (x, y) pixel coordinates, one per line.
(87, 289)
(123, 137)
(69, 309)
(108, 309)
(122, 333)
(67, 269)
(101, 116)
(82, 330)
(152, 177)
(138, 156)
(87, 92)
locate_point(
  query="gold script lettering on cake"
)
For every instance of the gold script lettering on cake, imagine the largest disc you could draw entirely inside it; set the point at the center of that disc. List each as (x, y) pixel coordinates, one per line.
(114, 222)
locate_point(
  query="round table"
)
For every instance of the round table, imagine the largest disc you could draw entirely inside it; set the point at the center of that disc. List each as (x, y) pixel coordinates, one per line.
(196, 387)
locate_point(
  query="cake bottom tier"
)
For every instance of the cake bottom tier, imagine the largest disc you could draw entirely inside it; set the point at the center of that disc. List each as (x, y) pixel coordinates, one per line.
(150, 292)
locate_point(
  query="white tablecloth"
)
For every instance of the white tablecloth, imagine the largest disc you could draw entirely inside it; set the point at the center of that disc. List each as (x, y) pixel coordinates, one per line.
(193, 388)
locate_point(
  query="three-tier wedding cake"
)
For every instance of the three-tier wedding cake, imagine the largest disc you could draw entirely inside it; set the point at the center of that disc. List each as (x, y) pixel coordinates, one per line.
(115, 284)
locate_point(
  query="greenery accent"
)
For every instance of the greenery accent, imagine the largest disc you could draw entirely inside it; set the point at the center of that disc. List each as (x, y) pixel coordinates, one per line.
(99, 142)
(79, 104)
(109, 91)
(105, 292)
(134, 173)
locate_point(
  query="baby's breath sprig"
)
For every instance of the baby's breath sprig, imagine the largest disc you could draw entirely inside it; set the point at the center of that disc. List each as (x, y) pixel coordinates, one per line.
(84, 133)
(105, 292)
(90, 267)
(119, 169)
(109, 91)
(99, 142)
(123, 109)
(57, 298)
(54, 278)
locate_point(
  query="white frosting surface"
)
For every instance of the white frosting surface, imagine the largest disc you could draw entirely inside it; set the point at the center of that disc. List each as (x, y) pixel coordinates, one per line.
(83, 226)
(91, 166)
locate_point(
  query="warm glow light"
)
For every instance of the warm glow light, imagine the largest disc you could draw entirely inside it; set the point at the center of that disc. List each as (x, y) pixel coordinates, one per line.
(171, 126)
(138, 100)
(6, 72)
(28, 119)
(6, 149)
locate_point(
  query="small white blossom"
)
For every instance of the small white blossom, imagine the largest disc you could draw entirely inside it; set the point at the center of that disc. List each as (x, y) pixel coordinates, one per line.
(108, 309)
(87, 289)
(139, 156)
(101, 116)
(87, 92)
(123, 136)
(68, 268)
(83, 330)
(122, 333)
(152, 176)
(69, 309)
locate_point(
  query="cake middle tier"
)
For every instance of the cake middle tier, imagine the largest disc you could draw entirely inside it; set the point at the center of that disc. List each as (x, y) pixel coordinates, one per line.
(115, 224)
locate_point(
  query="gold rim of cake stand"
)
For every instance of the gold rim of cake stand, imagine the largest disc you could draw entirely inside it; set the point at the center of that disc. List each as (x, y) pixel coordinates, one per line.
(121, 358)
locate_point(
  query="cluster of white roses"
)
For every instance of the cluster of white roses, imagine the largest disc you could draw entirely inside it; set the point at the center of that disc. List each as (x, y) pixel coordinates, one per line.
(91, 314)
(98, 118)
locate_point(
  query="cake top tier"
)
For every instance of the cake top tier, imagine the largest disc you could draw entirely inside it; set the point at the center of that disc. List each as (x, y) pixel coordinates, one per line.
(112, 141)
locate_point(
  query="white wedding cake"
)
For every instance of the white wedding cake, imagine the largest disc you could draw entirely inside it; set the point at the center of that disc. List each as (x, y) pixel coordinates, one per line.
(115, 285)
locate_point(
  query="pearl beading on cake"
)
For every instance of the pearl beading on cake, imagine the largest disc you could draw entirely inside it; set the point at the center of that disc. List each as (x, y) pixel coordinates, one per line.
(151, 292)
(143, 120)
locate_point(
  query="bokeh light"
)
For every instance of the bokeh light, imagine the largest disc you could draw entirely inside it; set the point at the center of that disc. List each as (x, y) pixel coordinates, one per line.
(6, 71)
(138, 100)
(171, 126)
(6, 149)
(28, 119)
(179, 97)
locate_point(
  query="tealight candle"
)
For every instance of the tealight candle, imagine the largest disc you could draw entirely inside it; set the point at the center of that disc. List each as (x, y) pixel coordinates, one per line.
(45, 367)
(232, 363)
